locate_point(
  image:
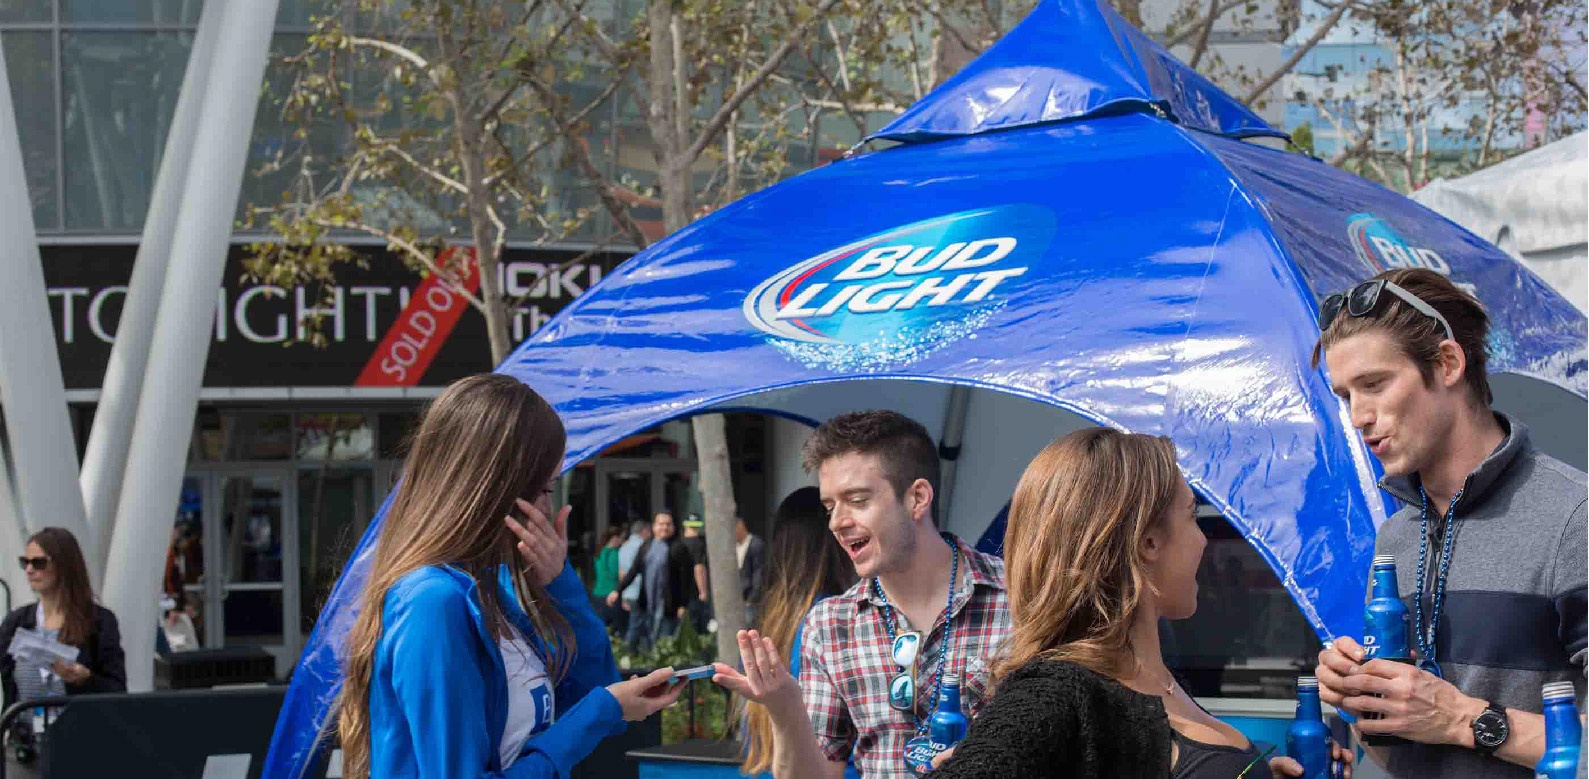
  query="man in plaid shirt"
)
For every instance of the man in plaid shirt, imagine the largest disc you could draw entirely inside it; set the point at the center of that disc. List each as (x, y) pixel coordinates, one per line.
(878, 473)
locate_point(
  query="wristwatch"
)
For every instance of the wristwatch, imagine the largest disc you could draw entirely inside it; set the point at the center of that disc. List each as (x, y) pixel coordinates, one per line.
(1490, 729)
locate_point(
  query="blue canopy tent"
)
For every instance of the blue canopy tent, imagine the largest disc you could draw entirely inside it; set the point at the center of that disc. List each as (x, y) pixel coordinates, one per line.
(1070, 228)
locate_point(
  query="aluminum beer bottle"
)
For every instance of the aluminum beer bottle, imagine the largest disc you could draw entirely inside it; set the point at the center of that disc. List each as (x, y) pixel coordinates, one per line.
(1385, 617)
(945, 728)
(947, 725)
(1308, 739)
(1385, 629)
(1563, 734)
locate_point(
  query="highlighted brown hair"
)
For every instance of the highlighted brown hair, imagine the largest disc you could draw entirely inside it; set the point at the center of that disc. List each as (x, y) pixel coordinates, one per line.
(1419, 336)
(1073, 560)
(804, 564)
(486, 441)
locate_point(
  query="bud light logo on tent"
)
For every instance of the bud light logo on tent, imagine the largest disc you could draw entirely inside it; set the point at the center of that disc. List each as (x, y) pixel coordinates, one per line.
(1382, 249)
(891, 299)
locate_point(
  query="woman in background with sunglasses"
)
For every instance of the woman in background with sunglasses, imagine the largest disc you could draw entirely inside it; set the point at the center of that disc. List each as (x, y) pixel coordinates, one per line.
(65, 612)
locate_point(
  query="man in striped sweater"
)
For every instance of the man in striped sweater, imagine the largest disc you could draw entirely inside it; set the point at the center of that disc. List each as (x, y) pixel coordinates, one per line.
(1490, 545)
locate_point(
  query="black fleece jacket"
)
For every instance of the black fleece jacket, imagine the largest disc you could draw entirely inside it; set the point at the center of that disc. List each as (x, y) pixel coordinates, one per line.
(101, 653)
(1059, 719)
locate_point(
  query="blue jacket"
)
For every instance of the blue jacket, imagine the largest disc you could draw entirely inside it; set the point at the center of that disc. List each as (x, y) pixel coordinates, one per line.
(438, 692)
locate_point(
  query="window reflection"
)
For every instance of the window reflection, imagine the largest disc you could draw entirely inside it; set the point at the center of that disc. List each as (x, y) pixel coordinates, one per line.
(30, 58)
(120, 91)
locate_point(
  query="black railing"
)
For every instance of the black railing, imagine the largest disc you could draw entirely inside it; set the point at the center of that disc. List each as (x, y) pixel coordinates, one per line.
(156, 733)
(9, 721)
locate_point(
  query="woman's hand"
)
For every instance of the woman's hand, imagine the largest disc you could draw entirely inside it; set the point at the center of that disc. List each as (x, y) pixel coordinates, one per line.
(541, 542)
(1285, 767)
(71, 673)
(942, 757)
(643, 696)
(766, 679)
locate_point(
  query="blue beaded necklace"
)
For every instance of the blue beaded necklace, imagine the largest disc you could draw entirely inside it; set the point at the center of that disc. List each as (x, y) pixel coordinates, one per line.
(948, 627)
(1426, 635)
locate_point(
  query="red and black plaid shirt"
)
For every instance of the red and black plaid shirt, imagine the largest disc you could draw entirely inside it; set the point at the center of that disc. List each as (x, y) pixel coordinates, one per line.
(846, 663)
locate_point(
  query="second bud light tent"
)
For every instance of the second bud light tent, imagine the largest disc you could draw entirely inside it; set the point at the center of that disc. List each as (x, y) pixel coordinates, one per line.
(1136, 265)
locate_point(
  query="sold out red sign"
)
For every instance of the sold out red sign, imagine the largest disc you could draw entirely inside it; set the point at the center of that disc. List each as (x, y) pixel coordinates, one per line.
(423, 326)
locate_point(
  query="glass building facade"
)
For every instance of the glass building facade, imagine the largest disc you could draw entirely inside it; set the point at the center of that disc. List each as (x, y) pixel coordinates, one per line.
(289, 457)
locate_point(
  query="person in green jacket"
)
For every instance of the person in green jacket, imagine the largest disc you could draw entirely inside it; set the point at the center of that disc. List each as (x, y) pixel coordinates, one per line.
(606, 579)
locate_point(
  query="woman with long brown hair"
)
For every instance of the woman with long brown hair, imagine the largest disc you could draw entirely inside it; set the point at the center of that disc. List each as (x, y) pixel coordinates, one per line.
(66, 612)
(1102, 542)
(475, 651)
(804, 565)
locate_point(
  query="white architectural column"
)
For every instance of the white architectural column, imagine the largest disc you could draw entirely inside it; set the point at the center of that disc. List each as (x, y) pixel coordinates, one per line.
(11, 535)
(31, 388)
(168, 403)
(106, 457)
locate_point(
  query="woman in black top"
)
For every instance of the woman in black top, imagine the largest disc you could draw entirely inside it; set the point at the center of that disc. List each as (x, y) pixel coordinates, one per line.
(1102, 541)
(65, 611)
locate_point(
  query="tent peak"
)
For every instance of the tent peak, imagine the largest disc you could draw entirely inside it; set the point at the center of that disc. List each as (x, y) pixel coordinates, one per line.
(1066, 60)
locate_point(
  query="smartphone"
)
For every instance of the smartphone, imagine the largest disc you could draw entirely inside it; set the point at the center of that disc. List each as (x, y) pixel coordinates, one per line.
(691, 674)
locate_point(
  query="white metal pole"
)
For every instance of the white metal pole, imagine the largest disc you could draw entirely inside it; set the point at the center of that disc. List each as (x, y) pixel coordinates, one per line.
(106, 457)
(156, 458)
(31, 387)
(11, 535)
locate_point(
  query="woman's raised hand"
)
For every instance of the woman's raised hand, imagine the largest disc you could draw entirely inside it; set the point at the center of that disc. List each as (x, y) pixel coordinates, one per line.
(541, 542)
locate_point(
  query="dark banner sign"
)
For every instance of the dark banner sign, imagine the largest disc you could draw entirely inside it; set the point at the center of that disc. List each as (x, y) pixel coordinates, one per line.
(258, 329)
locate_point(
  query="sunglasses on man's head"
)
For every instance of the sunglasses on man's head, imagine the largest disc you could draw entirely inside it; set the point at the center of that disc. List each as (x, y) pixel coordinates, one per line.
(40, 563)
(1362, 299)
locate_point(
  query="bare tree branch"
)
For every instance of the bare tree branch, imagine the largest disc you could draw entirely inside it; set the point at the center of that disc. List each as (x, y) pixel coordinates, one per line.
(608, 48)
(1215, 11)
(616, 208)
(944, 25)
(1207, 28)
(840, 105)
(388, 147)
(1301, 51)
(599, 247)
(563, 129)
(1358, 147)
(408, 248)
(392, 48)
(715, 125)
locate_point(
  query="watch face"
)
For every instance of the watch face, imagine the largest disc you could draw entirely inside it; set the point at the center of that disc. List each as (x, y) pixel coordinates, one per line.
(1490, 729)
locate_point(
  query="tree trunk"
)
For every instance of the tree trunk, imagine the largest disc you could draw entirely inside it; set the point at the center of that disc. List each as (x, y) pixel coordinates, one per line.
(485, 245)
(469, 143)
(1131, 10)
(717, 491)
(667, 120)
(1409, 155)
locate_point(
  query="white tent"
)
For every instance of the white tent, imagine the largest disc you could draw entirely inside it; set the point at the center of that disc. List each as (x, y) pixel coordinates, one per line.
(1534, 206)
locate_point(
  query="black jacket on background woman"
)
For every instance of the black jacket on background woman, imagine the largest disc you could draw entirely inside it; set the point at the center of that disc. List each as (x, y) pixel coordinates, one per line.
(1057, 718)
(100, 653)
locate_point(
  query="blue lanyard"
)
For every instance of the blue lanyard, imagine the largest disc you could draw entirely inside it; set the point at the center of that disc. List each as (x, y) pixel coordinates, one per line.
(948, 627)
(1426, 635)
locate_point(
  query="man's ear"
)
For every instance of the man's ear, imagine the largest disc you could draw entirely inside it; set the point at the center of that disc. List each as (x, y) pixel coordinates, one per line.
(1453, 364)
(918, 500)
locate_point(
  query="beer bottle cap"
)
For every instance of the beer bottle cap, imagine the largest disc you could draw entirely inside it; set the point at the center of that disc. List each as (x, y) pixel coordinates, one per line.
(951, 678)
(1384, 560)
(1554, 690)
(1307, 683)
